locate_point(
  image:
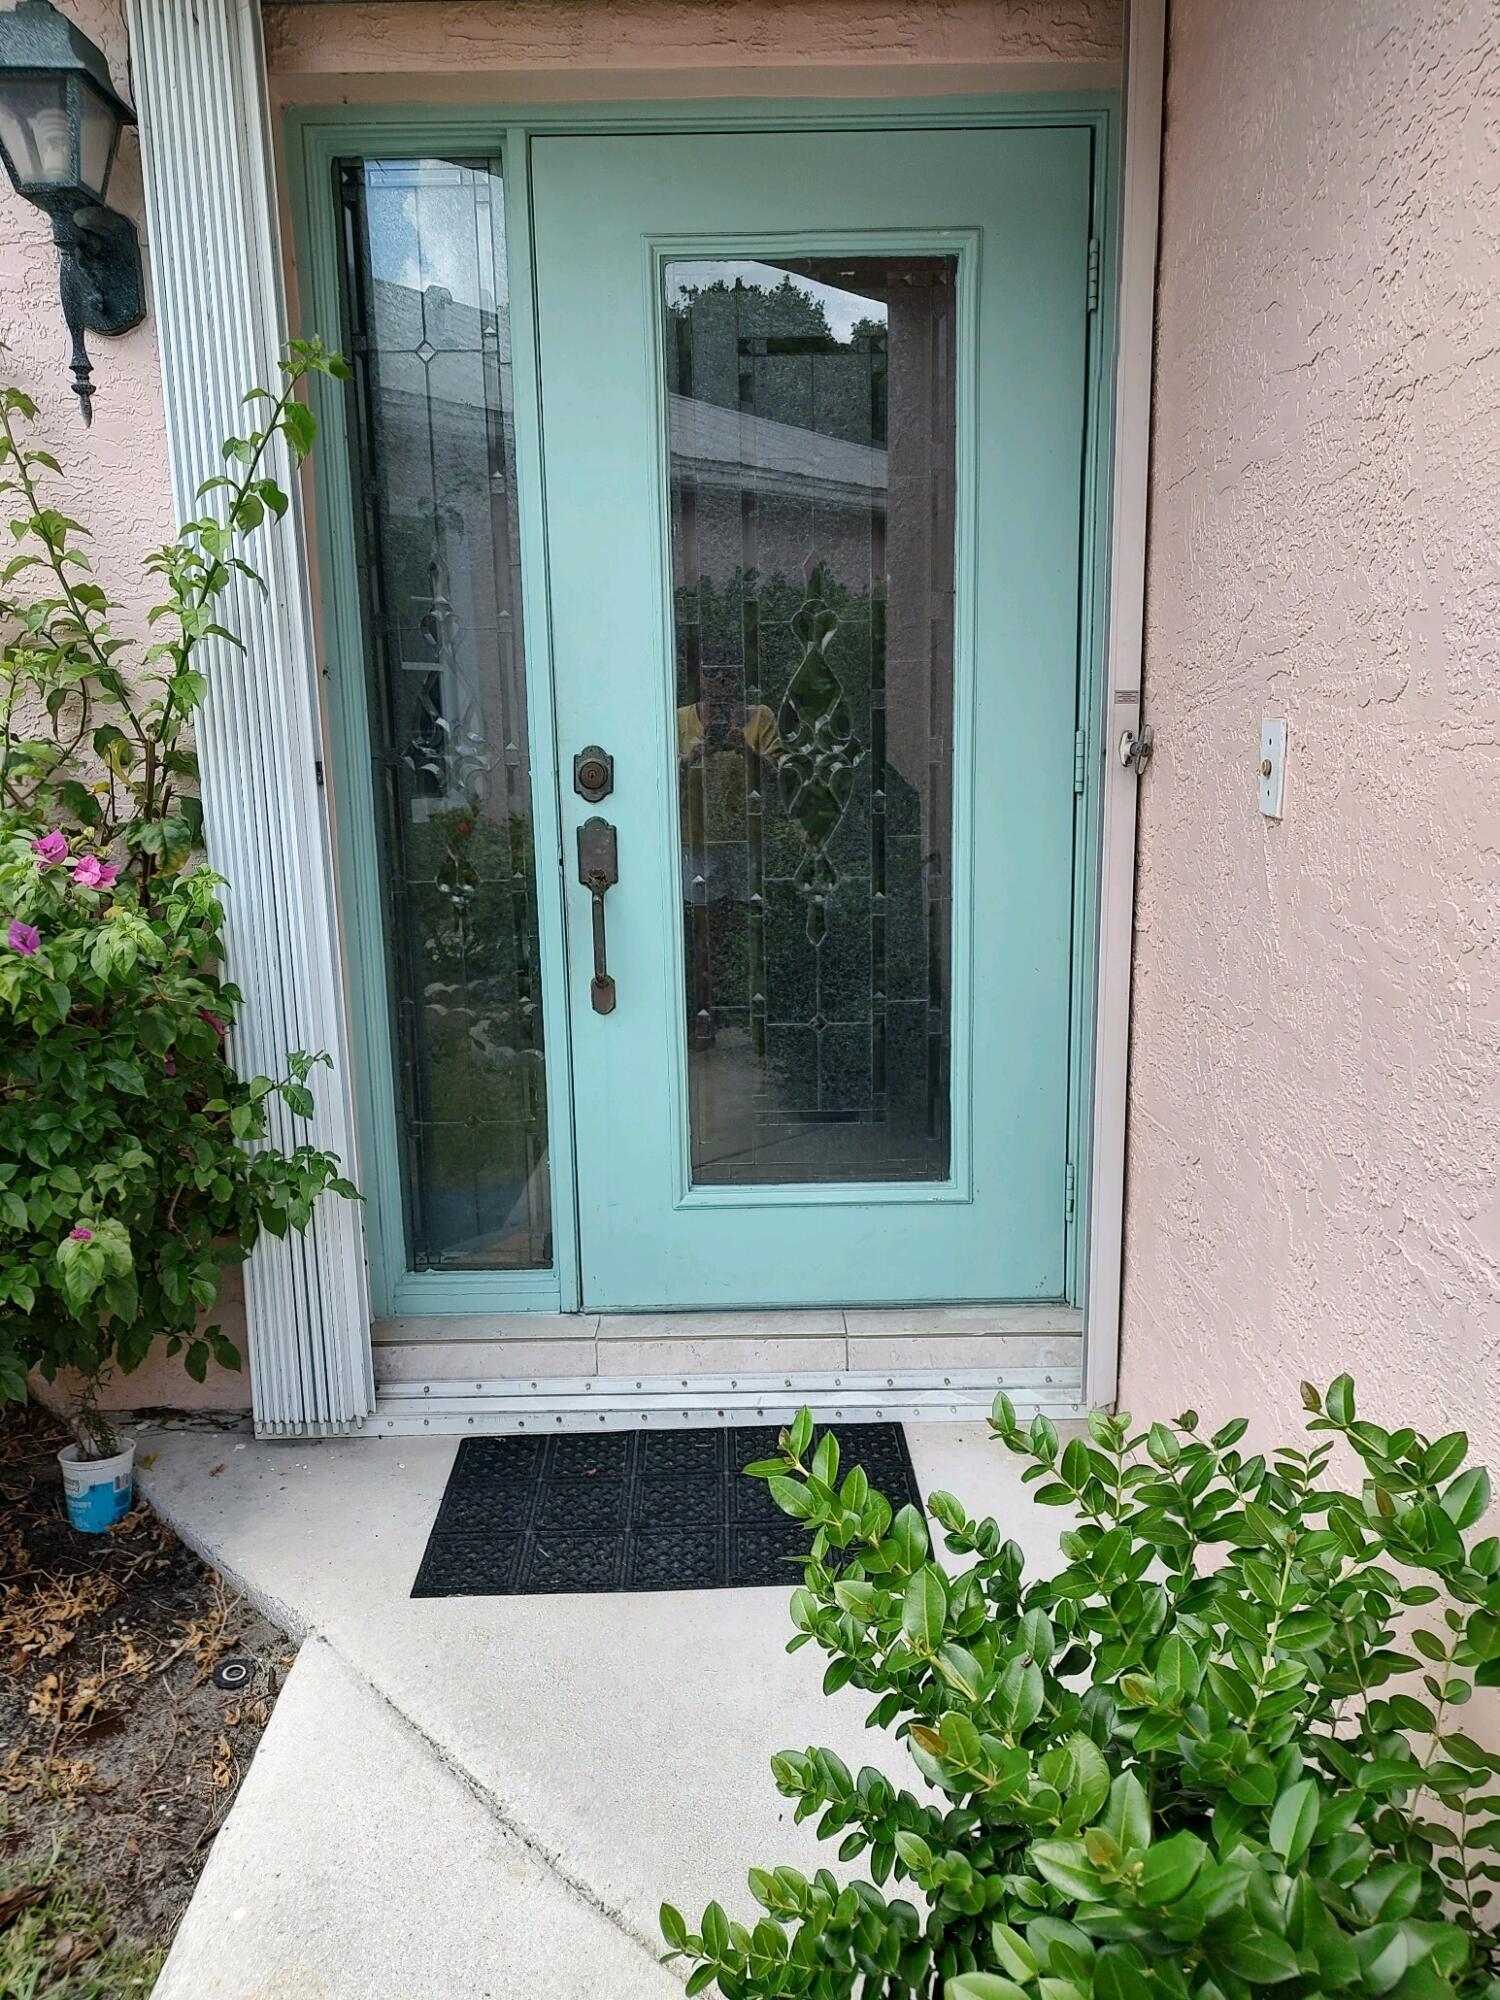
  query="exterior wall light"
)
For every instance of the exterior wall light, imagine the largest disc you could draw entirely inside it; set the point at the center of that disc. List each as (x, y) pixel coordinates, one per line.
(60, 122)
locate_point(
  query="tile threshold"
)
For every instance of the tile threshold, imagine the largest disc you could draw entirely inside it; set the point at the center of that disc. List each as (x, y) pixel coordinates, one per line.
(811, 1324)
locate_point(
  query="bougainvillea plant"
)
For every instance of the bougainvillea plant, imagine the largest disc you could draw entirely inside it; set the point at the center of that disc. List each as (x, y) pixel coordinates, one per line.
(1218, 1752)
(135, 1162)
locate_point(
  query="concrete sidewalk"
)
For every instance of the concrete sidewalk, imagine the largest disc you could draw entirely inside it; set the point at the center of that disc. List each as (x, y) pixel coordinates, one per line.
(356, 1861)
(492, 1796)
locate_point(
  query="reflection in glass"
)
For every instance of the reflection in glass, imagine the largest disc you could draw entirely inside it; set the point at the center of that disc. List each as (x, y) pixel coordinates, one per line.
(812, 491)
(431, 403)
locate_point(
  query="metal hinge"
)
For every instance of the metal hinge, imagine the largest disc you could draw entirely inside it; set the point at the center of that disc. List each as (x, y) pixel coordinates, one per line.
(1093, 274)
(318, 772)
(1080, 760)
(1070, 1194)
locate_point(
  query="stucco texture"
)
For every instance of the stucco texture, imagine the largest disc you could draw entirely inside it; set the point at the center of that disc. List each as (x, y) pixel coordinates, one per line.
(607, 48)
(1315, 1079)
(116, 472)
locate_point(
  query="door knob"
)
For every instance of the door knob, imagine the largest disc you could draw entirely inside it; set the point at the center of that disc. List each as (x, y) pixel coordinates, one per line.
(598, 871)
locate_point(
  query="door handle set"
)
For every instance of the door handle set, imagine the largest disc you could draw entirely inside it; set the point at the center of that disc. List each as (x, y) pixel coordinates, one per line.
(598, 862)
(598, 871)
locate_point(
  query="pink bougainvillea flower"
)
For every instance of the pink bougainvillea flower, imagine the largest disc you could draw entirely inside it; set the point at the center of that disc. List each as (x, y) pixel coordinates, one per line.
(214, 1022)
(52, 847)
(24, 938)
(81, 1235)
(92, 873)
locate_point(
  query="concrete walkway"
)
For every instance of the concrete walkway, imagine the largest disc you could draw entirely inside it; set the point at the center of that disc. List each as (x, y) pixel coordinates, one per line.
(492, 1796)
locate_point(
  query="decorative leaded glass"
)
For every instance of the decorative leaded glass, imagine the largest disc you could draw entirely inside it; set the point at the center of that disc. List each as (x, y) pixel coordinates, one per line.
(431, 404)
(811, 406)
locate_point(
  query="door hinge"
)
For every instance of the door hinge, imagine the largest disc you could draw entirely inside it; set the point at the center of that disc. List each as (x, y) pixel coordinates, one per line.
(1070, 1192)
(318, 772)
(1093, 304)
(1080, 760)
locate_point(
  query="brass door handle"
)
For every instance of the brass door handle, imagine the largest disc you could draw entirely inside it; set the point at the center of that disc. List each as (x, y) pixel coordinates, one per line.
(598, 871)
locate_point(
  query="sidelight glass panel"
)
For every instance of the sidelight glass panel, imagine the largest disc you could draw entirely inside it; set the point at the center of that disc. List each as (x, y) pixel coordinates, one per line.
(812, 440)
(428, 331)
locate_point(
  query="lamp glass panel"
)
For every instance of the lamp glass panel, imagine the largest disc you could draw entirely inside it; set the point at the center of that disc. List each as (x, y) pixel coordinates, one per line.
(98, 126)
(35, 130)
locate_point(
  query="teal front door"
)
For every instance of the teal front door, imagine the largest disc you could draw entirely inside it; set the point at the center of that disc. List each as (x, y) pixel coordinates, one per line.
(813, 421)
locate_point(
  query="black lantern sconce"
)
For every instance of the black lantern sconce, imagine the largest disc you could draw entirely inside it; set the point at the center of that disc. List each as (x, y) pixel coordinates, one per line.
(60, 123)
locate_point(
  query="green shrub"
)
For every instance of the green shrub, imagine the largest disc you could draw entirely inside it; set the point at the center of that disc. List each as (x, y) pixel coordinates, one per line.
(1217, 1753)
(134, 1160)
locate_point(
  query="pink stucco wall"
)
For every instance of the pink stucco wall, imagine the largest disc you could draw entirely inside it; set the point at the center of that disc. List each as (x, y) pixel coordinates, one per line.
(117, 482)
(569, 49)
(1315, 1082)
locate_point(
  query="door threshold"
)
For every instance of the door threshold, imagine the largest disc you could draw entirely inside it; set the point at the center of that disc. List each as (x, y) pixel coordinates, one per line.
(853, 1323)
(618, 1402)
(577, 1371)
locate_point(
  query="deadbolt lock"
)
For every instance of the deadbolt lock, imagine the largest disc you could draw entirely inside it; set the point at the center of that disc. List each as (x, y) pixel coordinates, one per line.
(593, 774)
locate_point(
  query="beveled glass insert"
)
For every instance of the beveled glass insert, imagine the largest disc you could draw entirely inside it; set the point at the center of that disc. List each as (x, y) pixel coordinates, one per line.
(812, 414)
(428, 331)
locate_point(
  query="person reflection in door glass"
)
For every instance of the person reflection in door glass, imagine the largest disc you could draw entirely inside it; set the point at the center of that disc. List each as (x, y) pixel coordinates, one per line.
(727, 749)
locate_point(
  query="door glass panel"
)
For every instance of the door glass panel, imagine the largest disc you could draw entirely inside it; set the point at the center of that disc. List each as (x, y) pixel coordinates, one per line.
(812, 436)
(431, 408)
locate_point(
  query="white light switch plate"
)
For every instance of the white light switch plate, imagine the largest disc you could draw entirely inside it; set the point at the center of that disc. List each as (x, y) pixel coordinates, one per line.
(1272, 767)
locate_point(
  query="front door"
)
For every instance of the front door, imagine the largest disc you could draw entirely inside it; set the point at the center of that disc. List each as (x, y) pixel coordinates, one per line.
(813, 421)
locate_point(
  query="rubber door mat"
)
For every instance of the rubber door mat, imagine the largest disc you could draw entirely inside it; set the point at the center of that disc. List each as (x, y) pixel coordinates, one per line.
(630, 1510)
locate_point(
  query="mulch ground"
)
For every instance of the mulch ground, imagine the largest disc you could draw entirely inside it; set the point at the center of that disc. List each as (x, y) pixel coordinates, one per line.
(118, 1750)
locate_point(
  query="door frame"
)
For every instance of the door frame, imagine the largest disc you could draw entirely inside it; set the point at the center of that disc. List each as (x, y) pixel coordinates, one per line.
(314, 137)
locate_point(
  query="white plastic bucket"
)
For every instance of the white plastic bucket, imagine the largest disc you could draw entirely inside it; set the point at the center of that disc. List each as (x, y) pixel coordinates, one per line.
(98, 1490)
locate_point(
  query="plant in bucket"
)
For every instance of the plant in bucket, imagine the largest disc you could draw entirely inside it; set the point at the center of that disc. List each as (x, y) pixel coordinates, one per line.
(135, 1161)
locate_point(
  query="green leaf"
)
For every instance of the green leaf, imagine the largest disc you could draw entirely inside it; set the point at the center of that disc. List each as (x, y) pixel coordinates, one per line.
(1065, 1864)
(1388, 1774)
(1467, 1498)
(1384, 1954)
(1294, 1821)
(300, 427)
(1171, 1868)
(673, 1928)
(1118, 1976)
(1444, 1456)
(825, 1465)
(792, 1497)
(1261, 1957)
(715, 1930)
(959, 1668)
(924, 1609)
(1177, 1671)
(1304, 1629)
(908, 1538)
(857, 1598)
(1086, 1780)
(1254, 1786)
(1013, 1952)
(1127, 1817)
(983, 1986)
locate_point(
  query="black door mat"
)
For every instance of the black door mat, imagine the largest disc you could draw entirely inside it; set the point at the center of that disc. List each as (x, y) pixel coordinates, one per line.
(630, 1510)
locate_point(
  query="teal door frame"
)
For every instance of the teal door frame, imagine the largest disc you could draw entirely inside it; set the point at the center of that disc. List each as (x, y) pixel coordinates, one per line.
(315, 137)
